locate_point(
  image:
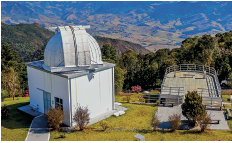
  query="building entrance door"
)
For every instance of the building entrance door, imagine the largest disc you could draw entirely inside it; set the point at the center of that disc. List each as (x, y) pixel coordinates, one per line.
(47, 101)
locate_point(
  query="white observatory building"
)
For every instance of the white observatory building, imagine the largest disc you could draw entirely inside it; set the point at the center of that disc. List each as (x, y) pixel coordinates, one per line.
(72, 73)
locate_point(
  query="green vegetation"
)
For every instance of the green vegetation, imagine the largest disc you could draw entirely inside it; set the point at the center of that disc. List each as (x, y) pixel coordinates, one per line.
(114, 135)
(136, 117)
(26, 39)
(4, 95)
(205, 50)
(15, 128)
(13, 72)
(192, 108)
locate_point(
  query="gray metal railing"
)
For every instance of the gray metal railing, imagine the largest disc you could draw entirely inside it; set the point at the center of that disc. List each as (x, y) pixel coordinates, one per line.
(207, 92)
(196, 68)
(172, 90)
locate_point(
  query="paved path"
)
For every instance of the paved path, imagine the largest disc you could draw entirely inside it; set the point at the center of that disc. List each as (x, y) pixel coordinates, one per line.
(38, 130)
(164, 112)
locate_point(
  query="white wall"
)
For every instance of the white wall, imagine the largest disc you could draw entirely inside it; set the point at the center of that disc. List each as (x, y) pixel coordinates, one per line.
(57, 86)
(96, 93)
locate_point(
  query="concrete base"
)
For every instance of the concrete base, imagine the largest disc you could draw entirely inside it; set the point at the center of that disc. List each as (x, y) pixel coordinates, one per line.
(30, 111)
(164, 112)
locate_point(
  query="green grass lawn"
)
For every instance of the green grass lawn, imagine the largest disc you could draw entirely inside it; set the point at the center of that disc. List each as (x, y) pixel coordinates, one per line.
(226, 96)
(137, 116)
(229, 122)
(115, 135)
(15, 128)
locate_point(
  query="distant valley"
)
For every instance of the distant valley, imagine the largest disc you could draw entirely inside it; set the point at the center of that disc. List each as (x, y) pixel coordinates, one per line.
(153, 25)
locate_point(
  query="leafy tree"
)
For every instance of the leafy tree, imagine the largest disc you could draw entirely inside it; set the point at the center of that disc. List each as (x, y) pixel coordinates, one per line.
(192, 108)
(12, 81)
(118, 79)
(8, 56)
(230, 80)
(109, 52)
(129, 59)
(4, 95)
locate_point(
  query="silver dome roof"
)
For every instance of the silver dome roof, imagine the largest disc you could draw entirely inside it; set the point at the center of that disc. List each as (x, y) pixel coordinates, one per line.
(72, 47)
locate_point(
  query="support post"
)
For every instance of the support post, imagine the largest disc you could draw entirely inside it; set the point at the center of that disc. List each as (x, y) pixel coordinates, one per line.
(139, 98)
(174, 71)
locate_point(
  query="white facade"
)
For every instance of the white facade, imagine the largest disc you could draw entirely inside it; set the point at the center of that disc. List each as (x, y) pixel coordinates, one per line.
(92, 89)
(72, 74)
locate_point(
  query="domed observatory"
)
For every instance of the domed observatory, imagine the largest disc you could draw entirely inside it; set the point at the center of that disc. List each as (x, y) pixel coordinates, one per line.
(71, 74)
(72, 48)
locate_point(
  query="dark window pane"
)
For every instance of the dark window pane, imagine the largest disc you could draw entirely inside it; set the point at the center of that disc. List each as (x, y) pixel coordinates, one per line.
(61, 101)
(57, 99)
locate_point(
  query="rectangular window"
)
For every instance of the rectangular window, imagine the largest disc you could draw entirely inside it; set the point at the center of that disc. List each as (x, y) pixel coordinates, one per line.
(59, 102)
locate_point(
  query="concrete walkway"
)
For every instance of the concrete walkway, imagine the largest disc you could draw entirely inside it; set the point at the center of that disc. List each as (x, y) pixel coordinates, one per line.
(164, 112)
(38, 130)
(28, 110)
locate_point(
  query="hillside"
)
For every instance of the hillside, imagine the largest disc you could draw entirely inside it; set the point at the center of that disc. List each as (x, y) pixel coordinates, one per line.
(30, 41)
(25, 38)
(121, 45)
(152, 24)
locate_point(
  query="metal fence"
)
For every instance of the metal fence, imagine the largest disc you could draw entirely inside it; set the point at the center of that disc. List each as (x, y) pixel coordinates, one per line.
(149, 98)
(196, 68)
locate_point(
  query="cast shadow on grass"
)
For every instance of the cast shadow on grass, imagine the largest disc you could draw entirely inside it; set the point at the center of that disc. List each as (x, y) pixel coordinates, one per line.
(17, 119)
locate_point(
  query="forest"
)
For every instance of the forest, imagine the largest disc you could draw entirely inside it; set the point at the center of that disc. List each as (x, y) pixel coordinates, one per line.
(146, 70)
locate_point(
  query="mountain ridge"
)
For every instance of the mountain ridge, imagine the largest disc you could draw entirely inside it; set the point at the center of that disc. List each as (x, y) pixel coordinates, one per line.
(152, 24)
(30, 41)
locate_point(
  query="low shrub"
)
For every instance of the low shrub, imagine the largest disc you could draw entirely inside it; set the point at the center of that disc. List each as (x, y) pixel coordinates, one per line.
(175, 121)
(205, 122)
(155, 122)
(4, 112)
(81, 117)
(157, 103)
(127, 98)
(55, 117)
(104, 125)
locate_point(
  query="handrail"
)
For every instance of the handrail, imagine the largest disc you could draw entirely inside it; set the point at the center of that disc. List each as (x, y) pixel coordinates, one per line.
(193, 67)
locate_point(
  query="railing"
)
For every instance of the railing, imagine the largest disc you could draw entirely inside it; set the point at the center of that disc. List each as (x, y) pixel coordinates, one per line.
(204, 92)
(172, 90)
(193, 67)
(148, 98)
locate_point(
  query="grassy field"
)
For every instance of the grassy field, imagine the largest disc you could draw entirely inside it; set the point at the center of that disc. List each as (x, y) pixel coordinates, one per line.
(137, 117)
(15, 128)
(226, 96)
(114, 135)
